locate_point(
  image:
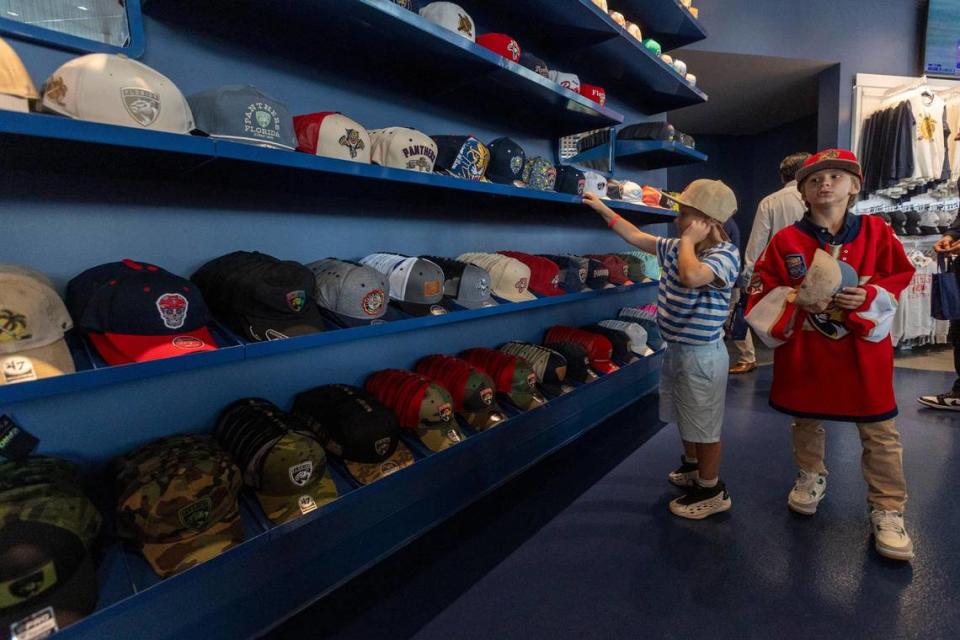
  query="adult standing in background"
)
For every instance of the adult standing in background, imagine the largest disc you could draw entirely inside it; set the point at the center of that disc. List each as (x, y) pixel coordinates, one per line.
(949, 244)
(777, 211)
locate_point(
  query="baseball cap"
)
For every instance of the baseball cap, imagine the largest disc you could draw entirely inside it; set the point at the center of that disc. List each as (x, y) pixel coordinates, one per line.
(578, 364)
(646, 317)
(466, 284)
(652, 46)
(572, 275)
(598, 347)
(502, 44)
(420, 405)
(534, 63)
(830, 159)
(47, 528)
(243, 113)
(712, 198)
(636, 334)
(635, 31)
(113, 89)
(593, 92)
(513, 376)
(566, 80)
(598, 275)
(409, 5)
(416, 285)
(356, 295)
(33, 320)
(136, 311)
(549, 365)
(261, 297)
(509, 278)
(332, 135)
(647, 131)
(461, 156)
(179, 503)
(620, 341)
(825, 277)
(596, 184)
(544, 274)
(539, 173)
(570, 180)
(635, 267)
(403, 148)
(16, 86)
(473, 391)
(506, 161)
(355, 427)
(450, 16)
(616, 266)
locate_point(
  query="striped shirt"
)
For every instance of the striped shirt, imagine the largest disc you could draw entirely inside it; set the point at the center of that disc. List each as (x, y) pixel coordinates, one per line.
(695, 316)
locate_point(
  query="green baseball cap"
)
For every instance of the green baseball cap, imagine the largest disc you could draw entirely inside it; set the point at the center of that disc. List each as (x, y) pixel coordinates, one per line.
(436, 426)
(293, 479)
(523, 389)
(180, 504)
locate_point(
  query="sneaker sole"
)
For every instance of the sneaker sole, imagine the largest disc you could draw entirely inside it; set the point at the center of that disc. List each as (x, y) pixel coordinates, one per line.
(805, 510)
(934, 405)
(893, 554)
(723, 506)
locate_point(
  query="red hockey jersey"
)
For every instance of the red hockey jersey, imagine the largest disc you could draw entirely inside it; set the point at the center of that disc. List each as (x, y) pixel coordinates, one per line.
(836, 365)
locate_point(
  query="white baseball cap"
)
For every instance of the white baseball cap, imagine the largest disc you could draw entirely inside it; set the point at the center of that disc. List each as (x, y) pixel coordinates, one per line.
(636, 333)
(595, 183)
(33, 320)
(114, 89)
(509, 278)
(451, 16)
(16, 87)
(416, 284)
(332, 135)
(566, 80)
(403, 148)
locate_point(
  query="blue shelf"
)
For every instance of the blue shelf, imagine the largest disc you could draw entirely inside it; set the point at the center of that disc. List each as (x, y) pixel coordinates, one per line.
(298, 562)
(101, 375)
(382, 44)
(643, 154)
(52, 143)
(577, 36)
(666, 21)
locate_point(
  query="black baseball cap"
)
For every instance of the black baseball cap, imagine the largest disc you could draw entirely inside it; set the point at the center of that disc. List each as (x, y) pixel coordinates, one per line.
(578, 362)
(598, 275)
(506, 161)
(534, 63)
(259, 296)
(573, 275)
(570, 180)
(355, 427)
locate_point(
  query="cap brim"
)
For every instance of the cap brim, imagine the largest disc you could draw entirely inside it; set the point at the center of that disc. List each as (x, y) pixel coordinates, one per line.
(277, 329)
(526, 296)
(475, 304)
(367, 473)
(525, 401)
(419, 310)
(285, 508)
(167, 559)
(443, 438)
(604, 366)
(483, 420)
(32, 364)
(553, 390)
(548, 293)
(118, 348)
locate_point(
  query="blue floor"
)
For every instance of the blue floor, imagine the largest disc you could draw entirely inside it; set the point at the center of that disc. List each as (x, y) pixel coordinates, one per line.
(582, 546)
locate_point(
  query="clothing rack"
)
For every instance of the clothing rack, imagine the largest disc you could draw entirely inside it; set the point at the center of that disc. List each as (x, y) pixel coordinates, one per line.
(922, 82)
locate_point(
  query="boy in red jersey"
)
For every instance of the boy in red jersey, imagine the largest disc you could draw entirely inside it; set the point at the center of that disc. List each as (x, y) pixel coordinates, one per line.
(833, 358)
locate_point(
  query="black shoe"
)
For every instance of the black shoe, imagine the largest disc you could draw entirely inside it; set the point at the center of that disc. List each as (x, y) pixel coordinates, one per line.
(701, 502)
(686, 474)
(949, 401)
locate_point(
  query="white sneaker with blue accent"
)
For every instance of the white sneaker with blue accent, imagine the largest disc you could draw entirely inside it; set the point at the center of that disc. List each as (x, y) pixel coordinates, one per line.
(890, 535)
(809, 489)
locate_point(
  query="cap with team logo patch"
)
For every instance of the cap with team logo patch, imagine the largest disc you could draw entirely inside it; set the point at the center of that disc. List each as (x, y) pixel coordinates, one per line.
(598, 275)
(540, 174)
(452, 17)
(243, 113)
(462, 157)
(135, 312)
(506, 162)
(549, 365)
(598, 347)
(356, 295)
(578, 364)
(617, 266)
(473, 392)
(513, 376)
(544, 274)
(570, 180)
(114, 89)
(534, 63)
(332, 135)
(179, 504)
(593, 92)
(16, 86)
(419, 404)
(403, 148)
(502, 44)
(466, 284)
(509, 278)
(355, 427)
(33, 320)
(260, 297)
(416, 285)
(596, 184)
(47, 528)
(566, 80)
(572, 277)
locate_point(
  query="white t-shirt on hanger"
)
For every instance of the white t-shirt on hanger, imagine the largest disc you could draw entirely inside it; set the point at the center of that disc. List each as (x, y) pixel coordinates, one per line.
(929, 149)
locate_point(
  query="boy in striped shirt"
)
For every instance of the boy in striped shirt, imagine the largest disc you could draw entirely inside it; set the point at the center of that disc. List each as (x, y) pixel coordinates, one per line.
(700, 269)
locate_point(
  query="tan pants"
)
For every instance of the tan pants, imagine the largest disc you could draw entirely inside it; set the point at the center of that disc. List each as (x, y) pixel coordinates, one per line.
(745, 348)
(882, 460)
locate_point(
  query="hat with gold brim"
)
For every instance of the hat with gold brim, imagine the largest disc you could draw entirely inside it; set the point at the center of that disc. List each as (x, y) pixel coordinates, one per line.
(369, 472)
(294, 479)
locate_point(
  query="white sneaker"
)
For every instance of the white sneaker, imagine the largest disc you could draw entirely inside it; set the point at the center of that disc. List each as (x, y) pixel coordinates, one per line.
(809, 489)
(949, 401)
(701, 502)
(890, 536)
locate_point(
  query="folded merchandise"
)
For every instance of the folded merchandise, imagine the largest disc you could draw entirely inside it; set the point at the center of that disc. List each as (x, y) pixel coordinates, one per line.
(424, 407)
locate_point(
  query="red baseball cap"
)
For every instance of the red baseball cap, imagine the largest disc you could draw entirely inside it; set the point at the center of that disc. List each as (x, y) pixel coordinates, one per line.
(830, 159)
(333, 135)
(599, 348)
(617, 266)
(544, 273)
(500, 43)
(595, 93)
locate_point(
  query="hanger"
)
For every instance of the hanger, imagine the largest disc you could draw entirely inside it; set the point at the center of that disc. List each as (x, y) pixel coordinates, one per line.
(908, 88)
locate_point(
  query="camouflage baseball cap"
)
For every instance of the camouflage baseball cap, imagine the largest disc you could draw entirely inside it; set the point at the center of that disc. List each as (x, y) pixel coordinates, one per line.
(367, 472)
(523, 390)
(180, 504)
(293, 478)
(436, 426)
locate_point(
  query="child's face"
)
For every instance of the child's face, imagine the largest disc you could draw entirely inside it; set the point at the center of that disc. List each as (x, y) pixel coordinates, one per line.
(829, 187)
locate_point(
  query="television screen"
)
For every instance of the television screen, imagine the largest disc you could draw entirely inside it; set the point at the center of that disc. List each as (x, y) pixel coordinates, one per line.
(942, 51)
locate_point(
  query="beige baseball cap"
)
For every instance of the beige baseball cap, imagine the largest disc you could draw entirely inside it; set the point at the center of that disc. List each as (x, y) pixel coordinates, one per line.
(712, 198)
(509, 278)
(825, 278)
(16, 87)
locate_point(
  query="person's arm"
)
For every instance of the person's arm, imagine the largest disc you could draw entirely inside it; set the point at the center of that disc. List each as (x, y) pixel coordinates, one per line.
(772, 310)
(760, 236)
(640, 239)
(692, 272)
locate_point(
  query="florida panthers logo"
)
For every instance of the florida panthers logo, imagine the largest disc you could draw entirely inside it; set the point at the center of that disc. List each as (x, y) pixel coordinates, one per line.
(382, 446)
(445, 411)
(514, 50)
(486, 396)
(173, 310)
(351, 140)
(296, 300)
(420, 164)
(301, 473)
(464, 25)
(142, 105)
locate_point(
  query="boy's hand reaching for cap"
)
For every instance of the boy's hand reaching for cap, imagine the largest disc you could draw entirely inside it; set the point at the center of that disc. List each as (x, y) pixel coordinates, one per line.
(593, 201)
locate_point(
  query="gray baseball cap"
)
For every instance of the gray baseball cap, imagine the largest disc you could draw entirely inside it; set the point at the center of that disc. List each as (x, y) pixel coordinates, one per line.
(416, 285)
(466, 284)
(243, 113)
(355, 295)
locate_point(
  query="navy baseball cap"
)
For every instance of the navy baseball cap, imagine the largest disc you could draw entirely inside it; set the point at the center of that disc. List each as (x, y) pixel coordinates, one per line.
(135, 312)
(243, 113)
(506, 161)
(534, 63)
(598, 275)
(573, 275)
(570, 180)
(461, 156)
